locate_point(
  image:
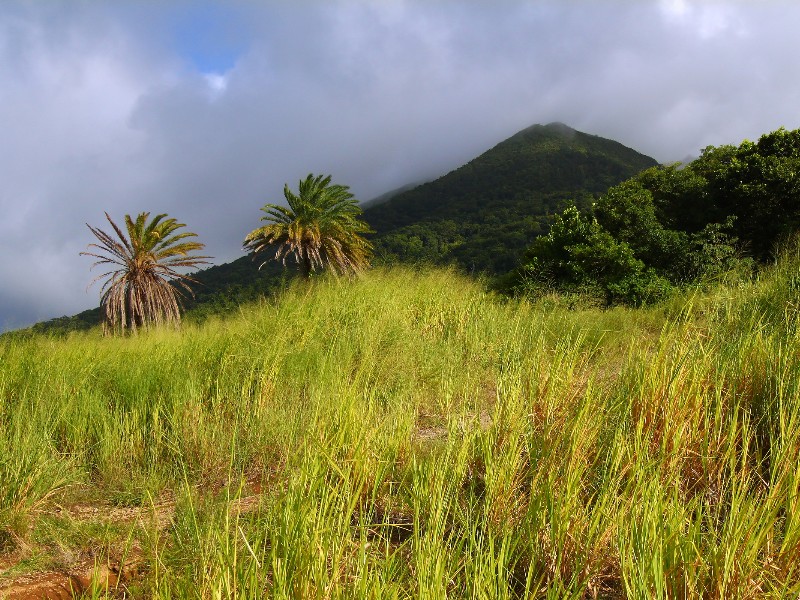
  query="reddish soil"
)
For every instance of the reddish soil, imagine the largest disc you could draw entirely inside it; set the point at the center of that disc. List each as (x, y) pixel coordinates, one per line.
(66, 586)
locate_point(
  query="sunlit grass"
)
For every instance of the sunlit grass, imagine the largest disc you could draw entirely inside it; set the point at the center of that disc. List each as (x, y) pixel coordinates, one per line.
(413, 436)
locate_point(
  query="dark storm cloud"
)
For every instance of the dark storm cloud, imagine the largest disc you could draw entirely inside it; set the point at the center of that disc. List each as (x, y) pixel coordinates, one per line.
(114, 107)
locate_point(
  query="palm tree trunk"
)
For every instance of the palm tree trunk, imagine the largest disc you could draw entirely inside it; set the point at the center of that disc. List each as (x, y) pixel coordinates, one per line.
(305, 267)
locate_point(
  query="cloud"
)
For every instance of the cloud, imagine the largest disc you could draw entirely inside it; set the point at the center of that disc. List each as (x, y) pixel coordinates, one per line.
(205, 110)
(707, 20)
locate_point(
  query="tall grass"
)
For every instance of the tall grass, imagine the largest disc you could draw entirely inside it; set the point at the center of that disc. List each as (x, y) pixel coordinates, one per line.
(414, 436)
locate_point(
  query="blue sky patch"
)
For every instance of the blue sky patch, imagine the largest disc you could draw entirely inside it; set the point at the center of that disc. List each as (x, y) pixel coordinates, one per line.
(210, 36)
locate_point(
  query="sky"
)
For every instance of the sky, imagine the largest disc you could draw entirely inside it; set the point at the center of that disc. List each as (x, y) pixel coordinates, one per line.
(204, 110)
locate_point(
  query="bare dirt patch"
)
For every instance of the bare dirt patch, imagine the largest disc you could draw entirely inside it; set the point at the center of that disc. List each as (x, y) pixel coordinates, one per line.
(108, 575)
(80, 579)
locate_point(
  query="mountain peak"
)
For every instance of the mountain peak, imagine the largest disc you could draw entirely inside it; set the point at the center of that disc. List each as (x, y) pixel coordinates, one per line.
(552, 131)
(559, 127)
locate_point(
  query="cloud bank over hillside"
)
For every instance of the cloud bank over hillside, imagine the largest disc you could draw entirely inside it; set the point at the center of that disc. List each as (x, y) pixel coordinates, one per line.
(204, 110)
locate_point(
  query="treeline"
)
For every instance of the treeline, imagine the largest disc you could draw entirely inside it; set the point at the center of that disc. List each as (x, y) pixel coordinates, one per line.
(672, 225)
(489, 240)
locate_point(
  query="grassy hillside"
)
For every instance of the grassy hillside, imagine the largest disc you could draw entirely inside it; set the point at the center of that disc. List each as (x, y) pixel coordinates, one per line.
(409, 435)
(484, 214)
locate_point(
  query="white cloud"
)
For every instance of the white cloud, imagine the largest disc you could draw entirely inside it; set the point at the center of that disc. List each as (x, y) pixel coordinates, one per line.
(217, 84)
(675, 8)
(707, 18)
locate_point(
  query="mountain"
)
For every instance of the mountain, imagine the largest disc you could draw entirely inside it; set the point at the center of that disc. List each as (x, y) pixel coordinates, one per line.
(481, 216)
(484, 214)
(385, 197)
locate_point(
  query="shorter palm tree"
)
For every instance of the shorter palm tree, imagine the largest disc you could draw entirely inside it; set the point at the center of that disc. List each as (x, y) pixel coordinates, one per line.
(143, 287)
(320, 228)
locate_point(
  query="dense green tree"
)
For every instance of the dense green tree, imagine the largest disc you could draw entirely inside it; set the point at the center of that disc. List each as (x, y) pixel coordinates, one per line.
(143, 286)
(628, 212)
(579, 255)
(681, 223)
(762, 189)
(710, 252)
(320, 228)
(622, 250)
(757, 185)
(679, 197)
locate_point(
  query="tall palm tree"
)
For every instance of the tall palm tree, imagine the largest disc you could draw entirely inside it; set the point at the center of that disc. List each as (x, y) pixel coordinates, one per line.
(320, 228)
(142, 286)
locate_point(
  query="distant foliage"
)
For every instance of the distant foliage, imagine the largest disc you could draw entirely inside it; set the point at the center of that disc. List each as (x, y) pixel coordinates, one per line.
(319, 229)
(674, 225)
(143, 287)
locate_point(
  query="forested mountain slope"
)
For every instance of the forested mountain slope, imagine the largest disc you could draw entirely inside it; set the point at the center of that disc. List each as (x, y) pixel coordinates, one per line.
(485, 213)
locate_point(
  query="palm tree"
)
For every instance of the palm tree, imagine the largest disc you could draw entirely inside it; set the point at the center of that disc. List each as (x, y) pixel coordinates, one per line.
(143, 287)
(320, 228)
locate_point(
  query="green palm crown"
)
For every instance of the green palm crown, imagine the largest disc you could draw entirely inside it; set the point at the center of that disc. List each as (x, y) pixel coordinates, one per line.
(320, 228)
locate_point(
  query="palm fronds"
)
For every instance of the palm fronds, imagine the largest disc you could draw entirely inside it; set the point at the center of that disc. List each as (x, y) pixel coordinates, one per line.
(142, 286)
(320, 228)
